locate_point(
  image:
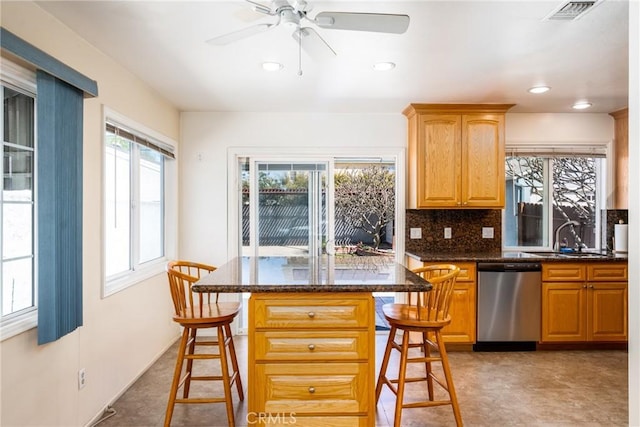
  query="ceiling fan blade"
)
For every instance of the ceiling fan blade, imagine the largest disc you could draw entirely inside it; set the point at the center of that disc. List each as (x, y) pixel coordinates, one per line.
(312, 43)
(239, 34)
(376, 22)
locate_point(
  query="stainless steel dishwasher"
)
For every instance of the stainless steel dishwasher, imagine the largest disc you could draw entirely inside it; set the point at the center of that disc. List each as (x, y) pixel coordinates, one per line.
(509, 302)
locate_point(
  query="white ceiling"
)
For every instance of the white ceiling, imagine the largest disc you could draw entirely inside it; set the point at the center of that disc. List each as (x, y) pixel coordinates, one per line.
(454, 51)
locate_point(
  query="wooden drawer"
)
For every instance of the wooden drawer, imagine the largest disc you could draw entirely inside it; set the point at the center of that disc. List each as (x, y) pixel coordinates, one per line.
(313, 388)
(607, 272)
(563, 272)
(312, 314)
(467, 271)
(292, 420)
(311, 345)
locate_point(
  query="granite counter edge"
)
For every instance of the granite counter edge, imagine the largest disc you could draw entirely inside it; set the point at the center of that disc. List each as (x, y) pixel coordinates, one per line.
(500, 257)
(307, 288)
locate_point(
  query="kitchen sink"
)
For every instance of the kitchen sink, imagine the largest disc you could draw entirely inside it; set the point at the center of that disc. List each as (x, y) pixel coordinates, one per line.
(552, 254)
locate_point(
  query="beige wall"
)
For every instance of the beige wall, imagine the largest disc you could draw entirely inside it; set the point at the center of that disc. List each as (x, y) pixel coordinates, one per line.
(634, 213)
(124, 333)
(559, 127)
(207, 137)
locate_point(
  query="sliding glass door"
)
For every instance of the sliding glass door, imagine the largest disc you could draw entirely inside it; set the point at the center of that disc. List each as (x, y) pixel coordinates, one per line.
(343, 206)
(288, 201)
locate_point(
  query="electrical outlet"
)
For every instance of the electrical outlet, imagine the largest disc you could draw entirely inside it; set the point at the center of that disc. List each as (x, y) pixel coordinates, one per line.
(447, 232)
(487, 232)
(415, 233)
(82, 378)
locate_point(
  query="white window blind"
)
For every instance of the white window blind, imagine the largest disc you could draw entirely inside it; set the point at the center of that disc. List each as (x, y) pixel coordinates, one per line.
(557, 150)
(158, 146)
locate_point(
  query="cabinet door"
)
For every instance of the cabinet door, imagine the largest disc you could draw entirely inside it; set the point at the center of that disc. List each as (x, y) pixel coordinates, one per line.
(438, 152)
(608, 311)
(462, 328)
(483, 179)
(564, 310)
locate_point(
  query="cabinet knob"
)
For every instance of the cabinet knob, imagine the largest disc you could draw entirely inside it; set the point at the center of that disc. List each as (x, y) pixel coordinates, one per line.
(584, 286)
(591, 286)
(312, 390)
(311, 314)
(464, 203)
(311, 347)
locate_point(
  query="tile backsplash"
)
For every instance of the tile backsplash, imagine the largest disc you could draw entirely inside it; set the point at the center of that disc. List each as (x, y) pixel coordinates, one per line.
(466, 230)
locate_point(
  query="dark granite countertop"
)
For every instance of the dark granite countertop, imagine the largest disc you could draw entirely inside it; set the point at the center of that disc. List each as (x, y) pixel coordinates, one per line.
(516, 256)
(338, 273)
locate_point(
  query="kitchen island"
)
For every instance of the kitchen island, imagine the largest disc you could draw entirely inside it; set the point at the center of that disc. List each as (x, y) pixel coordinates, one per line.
(312, 333)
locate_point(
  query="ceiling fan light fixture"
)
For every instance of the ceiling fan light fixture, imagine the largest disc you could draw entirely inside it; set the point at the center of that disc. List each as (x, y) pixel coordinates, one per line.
(539, 89)
(272, 66)
(289, 18)
(384, 66)
(582, 105)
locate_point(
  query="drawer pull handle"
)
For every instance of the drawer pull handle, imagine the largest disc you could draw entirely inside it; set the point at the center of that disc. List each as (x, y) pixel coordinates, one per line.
(312, 347)
(311, 314)
(312, 390)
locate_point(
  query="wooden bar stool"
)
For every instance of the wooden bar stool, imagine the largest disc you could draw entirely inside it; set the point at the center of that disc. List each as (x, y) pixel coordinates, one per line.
(199, 314)
(427, 316)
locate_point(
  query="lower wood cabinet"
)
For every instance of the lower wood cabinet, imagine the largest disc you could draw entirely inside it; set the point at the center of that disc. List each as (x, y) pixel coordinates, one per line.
(584, 302)
(312, 358)
(462, 328)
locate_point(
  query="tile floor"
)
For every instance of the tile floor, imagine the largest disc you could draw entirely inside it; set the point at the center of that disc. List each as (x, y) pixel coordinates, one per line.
(544, 388)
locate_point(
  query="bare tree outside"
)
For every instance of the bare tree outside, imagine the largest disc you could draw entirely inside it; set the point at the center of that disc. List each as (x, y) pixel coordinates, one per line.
(365, 199)
(573, 188)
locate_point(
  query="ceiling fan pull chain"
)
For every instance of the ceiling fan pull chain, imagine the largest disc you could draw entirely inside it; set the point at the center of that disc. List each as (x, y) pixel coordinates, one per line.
(300, 51)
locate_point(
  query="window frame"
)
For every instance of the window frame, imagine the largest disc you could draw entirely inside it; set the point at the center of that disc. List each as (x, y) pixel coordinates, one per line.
(24, 80)
(307, 154)
(603, 150)
(140, 271)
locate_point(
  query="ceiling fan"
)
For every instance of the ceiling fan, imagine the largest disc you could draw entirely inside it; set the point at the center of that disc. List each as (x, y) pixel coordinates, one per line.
(294, 14)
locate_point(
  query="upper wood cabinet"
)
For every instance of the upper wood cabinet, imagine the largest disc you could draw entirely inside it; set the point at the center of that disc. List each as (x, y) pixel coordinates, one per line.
(621, 159)
(456, 155)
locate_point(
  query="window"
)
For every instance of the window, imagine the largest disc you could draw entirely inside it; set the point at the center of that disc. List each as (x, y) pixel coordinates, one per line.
(18, 200)
(298, 214)
(135, 205)
(545, 192)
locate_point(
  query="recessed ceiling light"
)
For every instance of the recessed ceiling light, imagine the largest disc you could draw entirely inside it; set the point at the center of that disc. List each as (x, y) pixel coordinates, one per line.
(581, 105)
(272, 66)
(539, 89)
(384, 66)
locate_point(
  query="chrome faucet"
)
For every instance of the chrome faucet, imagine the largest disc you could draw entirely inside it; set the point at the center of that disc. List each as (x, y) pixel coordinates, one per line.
(556, 244)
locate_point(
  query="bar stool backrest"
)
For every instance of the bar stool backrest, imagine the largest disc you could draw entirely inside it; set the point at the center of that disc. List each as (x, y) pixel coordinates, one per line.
(182, 275)
(433, 306)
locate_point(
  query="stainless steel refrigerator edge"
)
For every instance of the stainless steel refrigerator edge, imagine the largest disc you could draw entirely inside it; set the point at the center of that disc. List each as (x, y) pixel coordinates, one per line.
(509, 303)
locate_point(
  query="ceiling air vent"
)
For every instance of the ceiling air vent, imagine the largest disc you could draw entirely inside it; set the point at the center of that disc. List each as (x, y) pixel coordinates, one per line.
(572, 10)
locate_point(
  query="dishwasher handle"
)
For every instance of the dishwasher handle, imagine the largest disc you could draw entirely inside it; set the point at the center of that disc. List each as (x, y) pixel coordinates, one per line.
(509, 266)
